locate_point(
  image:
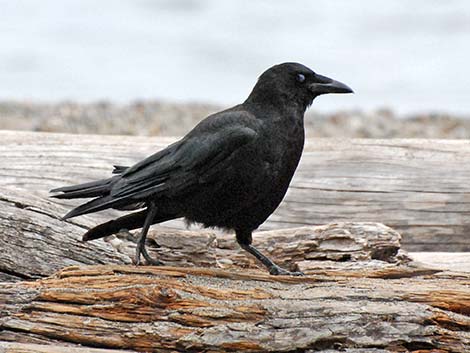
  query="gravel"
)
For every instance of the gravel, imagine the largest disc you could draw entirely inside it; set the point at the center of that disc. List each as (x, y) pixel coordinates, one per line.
(154, 118)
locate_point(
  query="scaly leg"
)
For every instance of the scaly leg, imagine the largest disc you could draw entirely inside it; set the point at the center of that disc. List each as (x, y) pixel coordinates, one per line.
(140, 249)
(244, 239)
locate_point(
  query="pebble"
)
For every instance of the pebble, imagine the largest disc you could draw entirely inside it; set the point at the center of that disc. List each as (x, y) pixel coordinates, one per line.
(158, 118)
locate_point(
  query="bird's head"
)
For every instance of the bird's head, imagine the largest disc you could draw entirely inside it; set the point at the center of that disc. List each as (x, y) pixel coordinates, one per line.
(293, 83)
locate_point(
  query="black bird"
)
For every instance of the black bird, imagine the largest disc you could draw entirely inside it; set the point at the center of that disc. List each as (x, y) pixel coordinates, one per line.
(231, 171)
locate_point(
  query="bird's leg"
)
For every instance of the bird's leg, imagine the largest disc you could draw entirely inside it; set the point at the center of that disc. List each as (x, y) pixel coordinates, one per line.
(244, 239)
(140, 249)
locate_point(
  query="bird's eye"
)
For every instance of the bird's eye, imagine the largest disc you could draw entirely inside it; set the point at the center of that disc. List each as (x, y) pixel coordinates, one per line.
(300, 77)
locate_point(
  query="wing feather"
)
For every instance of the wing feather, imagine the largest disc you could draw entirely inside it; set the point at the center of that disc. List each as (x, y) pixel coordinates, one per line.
(191, 161)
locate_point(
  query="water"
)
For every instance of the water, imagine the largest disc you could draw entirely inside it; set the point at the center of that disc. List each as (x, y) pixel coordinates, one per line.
(409, 55)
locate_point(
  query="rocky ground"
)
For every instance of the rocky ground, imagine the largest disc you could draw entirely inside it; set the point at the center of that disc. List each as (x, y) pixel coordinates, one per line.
(162, 118)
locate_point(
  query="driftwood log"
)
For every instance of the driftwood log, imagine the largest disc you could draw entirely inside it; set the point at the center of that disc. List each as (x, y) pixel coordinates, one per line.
(418, 187)
(361, 292)
(36, 243)
(168, 309)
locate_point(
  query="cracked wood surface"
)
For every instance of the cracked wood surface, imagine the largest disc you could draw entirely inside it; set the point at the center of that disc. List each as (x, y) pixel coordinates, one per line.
(169, 309)
(361, 293)
(34, 245)
(419, 187)
(34, 242)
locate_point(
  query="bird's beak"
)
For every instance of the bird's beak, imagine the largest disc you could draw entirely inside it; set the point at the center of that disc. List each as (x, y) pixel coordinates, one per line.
(325, 85)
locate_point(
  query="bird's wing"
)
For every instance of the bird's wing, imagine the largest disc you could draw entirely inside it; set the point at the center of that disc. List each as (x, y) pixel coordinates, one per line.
(189, 162)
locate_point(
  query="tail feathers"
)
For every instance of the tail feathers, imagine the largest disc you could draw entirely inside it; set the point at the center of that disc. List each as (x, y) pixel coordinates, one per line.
(95, 205)
(85, 193)
(119, 169)
(91, 189)
(129, 222)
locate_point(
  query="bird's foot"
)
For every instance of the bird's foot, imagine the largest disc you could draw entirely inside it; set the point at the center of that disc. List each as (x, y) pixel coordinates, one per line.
(275, 270)
(153, 262)
(141, 250)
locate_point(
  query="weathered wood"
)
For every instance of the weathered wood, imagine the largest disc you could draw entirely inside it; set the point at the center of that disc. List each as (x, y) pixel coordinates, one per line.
(419, 187)
(452, 261)
(35, 243)
(169, 309)
(296, 248)
(14, 347)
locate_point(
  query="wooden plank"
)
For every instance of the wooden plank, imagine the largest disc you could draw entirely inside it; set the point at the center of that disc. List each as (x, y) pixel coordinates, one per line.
(419, 187)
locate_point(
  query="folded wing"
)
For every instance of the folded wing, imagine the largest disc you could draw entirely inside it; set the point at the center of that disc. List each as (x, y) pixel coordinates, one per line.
(171, 172)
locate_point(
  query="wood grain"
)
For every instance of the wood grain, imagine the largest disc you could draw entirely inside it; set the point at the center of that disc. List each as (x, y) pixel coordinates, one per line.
(418, 187)
(36, 244)
(15, 347)
(174, 309)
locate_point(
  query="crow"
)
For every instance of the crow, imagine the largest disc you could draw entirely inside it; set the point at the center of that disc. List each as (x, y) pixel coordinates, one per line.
(230, 172)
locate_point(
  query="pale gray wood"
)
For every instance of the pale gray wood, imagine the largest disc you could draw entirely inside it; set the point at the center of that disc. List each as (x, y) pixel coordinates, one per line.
(35, 242)
(419, 187)
(380, 299)
(15, 347)
(452, 261)
(294, 248)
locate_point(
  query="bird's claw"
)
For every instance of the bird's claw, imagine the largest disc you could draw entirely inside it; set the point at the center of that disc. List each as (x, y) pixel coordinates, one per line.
(276, 271)
(140, 250)
(149, 260)
(154, 262)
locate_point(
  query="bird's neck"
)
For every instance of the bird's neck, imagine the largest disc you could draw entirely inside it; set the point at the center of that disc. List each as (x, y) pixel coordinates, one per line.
(268, 108)
(265, 98)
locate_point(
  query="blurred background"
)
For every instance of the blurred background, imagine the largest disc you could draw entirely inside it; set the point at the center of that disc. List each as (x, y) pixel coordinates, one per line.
(157, 67)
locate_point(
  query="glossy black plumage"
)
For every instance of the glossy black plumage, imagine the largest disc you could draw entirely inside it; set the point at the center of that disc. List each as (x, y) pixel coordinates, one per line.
(231, 171)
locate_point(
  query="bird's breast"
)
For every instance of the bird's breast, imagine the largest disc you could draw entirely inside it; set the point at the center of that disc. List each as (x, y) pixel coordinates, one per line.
(253, 182)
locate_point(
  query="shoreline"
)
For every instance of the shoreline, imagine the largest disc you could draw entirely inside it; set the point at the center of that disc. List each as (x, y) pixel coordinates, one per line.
(161, 118)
